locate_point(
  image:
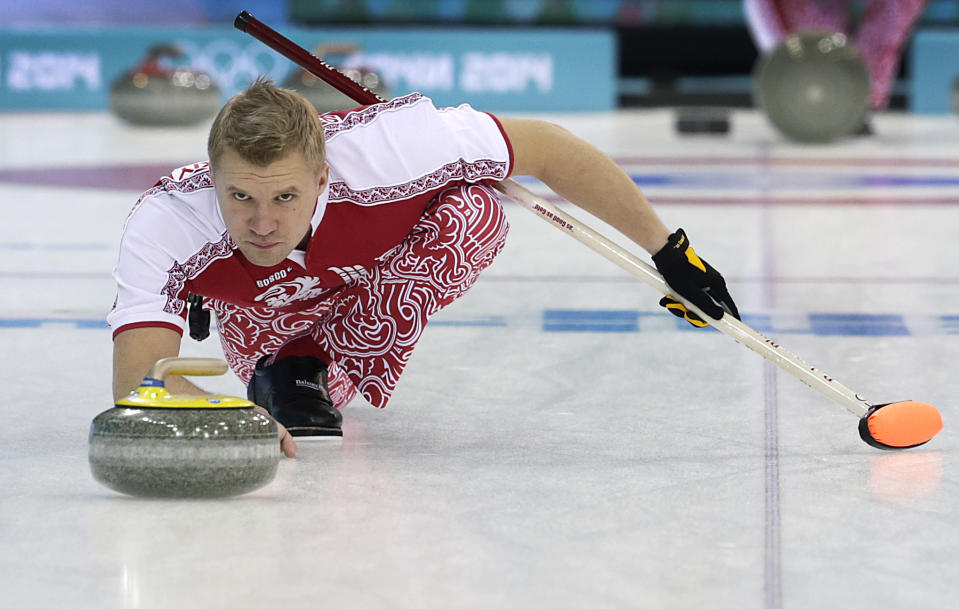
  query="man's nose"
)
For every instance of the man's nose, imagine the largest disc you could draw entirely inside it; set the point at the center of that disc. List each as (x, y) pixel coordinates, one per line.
(262, 222)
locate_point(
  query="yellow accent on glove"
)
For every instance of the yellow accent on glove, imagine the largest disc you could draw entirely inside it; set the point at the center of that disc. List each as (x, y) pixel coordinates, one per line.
(679, 310)
(694, 259)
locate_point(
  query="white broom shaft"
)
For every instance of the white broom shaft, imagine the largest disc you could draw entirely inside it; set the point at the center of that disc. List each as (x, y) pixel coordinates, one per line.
(728, 325)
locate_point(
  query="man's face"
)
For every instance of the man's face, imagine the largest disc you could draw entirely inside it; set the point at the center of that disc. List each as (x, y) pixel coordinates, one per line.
(267, 209)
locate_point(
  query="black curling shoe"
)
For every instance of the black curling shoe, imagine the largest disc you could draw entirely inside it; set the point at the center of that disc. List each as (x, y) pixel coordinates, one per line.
(294, 391)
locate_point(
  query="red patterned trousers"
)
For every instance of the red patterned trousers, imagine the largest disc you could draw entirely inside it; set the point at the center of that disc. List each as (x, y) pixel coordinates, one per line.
(368, 330)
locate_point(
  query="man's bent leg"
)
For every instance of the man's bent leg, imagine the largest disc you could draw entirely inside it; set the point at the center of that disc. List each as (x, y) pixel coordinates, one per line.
(770, 21)
(249, 334)
(372, 325)
(884, 31)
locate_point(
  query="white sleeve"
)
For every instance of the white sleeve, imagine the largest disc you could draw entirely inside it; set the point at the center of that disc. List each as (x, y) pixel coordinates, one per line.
(408, 138)
(145, 293)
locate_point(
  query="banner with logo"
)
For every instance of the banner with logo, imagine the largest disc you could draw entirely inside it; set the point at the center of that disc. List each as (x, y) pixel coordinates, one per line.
(535, 70)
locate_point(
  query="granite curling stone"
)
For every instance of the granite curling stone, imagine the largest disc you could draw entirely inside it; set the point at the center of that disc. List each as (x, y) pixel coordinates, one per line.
(154, 444)
(323, 96)
(154, 94)
(813, 87)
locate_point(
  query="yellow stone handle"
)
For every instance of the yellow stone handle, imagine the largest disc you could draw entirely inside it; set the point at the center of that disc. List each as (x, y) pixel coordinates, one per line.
(187, 366)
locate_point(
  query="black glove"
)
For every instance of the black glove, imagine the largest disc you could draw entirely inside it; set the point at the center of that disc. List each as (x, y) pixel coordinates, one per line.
(694, 279)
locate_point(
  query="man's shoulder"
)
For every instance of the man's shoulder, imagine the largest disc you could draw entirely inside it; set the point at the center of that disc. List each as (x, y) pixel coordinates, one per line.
(336, 124)
(179, 214)
(407, 116)
(407, 147)
(189, 179)
(185, 192)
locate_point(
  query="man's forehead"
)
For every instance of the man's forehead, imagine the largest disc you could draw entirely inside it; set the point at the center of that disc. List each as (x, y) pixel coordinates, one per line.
(231, 167)
(270, 174)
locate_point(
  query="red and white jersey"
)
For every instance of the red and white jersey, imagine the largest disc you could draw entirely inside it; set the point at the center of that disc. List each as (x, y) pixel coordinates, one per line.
(387, 162)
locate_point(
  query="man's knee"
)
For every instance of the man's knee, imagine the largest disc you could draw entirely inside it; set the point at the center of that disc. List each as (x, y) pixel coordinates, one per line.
(473, 211)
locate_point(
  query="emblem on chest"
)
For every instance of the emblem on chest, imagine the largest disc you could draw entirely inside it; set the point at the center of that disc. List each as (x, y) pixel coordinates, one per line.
(299, 288)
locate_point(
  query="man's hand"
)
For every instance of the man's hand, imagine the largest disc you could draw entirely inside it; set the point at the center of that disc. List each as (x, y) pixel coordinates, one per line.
(694, 279)
(287, 443)
(136, 350)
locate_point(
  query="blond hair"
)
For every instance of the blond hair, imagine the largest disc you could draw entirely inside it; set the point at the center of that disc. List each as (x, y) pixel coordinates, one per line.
(265, 123)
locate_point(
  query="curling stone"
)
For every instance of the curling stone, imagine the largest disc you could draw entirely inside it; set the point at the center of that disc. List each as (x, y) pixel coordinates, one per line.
(322, 95)
(155, 444)
(153, 94)
(813, 87)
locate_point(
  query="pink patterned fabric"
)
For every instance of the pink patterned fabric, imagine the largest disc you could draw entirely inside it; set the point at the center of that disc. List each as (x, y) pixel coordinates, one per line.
(885, 27)
(880, 37)
(370, 327)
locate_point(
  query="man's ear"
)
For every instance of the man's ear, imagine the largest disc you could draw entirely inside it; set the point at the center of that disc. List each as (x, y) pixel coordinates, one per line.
(324, 176)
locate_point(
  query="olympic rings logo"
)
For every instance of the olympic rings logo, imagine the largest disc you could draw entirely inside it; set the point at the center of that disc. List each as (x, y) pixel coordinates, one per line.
(233, 66)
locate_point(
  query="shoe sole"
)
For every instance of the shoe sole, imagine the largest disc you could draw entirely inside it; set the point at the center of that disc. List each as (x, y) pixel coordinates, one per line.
(309, 434)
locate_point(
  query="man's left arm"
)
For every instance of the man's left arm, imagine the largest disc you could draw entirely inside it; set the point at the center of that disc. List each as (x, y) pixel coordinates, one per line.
(587, 177)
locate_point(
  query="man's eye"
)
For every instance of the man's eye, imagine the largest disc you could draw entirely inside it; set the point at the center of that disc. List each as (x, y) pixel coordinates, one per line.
(285, 197)
(239, 196)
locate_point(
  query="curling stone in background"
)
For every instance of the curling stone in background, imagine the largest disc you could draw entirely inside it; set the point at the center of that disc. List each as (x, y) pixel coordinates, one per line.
(155, 444)
(323, 96)
(813, 87)
(154, 94)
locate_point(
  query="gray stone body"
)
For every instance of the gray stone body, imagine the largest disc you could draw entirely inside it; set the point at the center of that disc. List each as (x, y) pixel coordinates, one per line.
(184, 97)
(813, 87)
(325, 98)
(183, 452)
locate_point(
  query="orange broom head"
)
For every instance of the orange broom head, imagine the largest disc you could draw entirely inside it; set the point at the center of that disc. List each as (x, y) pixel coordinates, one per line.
(900, 425)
